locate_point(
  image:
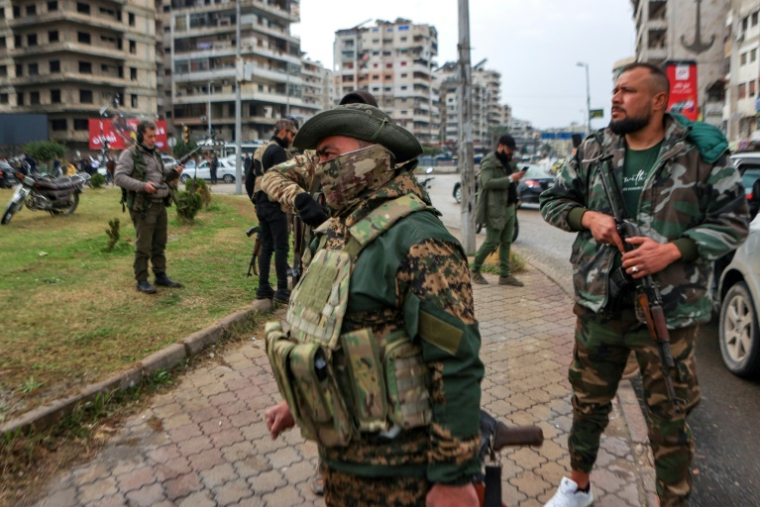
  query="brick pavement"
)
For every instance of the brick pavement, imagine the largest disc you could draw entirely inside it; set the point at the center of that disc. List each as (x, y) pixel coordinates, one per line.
(205, 443)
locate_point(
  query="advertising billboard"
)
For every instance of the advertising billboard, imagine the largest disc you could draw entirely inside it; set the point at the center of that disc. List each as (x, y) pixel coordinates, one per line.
(23, 128)
(683, 88)
(121, 133)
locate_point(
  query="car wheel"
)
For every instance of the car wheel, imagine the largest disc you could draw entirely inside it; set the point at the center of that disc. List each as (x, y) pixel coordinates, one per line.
(228, 178)
(183, 179)
(458, 193)
(739, 341)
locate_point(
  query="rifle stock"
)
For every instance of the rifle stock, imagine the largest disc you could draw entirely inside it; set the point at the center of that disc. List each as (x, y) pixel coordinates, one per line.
(505, 436)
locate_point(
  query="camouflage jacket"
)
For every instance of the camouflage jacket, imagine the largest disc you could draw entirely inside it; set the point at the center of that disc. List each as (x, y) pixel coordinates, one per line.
(416, 267)
(685, 200)
(283, 182)
(493, 195)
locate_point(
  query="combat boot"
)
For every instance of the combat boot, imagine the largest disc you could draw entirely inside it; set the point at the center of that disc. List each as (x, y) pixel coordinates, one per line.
(165, 281)
(478, 278)
(510, 280)
(144, 286)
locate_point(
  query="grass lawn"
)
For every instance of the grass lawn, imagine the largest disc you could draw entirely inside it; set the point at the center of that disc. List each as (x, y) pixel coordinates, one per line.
(70, 314)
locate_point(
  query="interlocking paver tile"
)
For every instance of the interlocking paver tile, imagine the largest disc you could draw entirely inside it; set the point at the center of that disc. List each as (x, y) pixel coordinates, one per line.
(232, 492)
(182, 486)
(147, 496)
(136, 479)
(97, 490)
(267, 482)
(218, 475)
(206, 459)
(199, 499)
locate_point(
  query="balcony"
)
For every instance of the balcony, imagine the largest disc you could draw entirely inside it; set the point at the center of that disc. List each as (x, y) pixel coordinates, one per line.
(69, 47)
(655, 54)
(246, 7)
(206, 75)
(72, 17)
(47, 80)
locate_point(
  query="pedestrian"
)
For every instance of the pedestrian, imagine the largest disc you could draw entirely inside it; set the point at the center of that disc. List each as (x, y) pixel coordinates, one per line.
(496, 208)
(71, 168)
(689, 203)
(141, 173)
(387, 280)
(273, 220)
(213, 166)
(30, 162)
(57, 171)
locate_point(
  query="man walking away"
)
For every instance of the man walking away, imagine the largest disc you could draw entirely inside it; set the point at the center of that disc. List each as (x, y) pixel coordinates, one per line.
(497, 203)
(213, 166)
(672, 179)
(273, 221)
(140, 171)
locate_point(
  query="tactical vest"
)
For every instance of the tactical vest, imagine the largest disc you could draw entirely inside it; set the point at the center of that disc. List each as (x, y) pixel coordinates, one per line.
(138, 201)
(339, 385)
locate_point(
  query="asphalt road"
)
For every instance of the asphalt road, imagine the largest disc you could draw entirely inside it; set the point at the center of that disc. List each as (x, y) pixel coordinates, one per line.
(726, 469)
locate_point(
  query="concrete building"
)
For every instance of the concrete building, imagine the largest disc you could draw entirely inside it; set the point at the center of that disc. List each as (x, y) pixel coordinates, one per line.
(65, 58)
(316, 92)
(742, 50)
(487, 114)
(617, 67)
(686, 30)
(203, 73)
(394, 62)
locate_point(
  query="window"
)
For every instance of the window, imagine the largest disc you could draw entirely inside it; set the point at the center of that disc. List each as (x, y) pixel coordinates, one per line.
(388, 65)
(132, 47)
(742, 91)
(134, 101)
(131, 19)
(85, 96)
(58, 125)
(120, 72)
(19, 70)
(743, 59)
(55, 96)
(753, 55)
(31, 10)
(83, 8)
(34, 98)
(85, 68)
(745, 23)
(83, 37)
(404, 75)
(752, 88)
(167, 8)
(55, 66)
(403, 87)
(31, 39)
(2, 16)
(20, 99)
(3, 71)
(52, 5)
(3, 98)
(81, 124)
(17, 41)
(388, 77)
(2, 42)
(53, 36)
(403, 64)
(34, 69)
(754, 19)
(133, 74)
(16, 12)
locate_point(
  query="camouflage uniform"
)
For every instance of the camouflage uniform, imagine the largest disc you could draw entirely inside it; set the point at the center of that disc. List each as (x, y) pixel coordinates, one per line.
(413, 274)
(701, 208)
(283, 182)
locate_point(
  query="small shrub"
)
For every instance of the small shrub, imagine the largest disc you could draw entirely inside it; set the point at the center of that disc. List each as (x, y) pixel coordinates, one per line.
(199, 186)
(113, 234)
(97, 180)
(188, 205)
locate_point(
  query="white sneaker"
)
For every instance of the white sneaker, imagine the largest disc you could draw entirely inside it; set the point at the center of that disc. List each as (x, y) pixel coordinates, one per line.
(566, 496)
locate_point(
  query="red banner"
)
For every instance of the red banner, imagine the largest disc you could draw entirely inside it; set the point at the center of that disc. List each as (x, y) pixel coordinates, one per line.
(683, 88)
(121, 133)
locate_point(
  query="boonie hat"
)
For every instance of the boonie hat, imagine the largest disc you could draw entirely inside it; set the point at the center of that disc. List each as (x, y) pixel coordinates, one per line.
(360, 121)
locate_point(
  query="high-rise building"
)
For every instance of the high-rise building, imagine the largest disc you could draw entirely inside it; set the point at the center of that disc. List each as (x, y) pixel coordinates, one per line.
(204, 74)
(742, 50)
(394, 62)
(678, 30)
(66, 58)
(316, 91)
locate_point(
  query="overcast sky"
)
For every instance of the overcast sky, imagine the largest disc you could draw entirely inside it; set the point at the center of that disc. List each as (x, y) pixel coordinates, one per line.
(535, 44)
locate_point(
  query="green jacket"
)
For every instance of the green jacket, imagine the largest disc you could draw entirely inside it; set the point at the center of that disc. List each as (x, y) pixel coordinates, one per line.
(493, 191)
(697, 205)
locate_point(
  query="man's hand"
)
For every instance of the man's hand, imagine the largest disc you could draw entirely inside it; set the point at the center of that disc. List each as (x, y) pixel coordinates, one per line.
(150, 188)
(179, 168)
(279, 419)
(517, 176)
(310, 210)
(441, 495)
(650, 257)
(603, 228)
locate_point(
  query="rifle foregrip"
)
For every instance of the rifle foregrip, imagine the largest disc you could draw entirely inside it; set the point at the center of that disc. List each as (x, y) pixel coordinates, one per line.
(517, 436)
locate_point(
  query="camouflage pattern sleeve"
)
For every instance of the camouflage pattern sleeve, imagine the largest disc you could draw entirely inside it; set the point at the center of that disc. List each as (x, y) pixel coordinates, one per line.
(284, 182)
(557, 202)
(434, 280)
(726, 214)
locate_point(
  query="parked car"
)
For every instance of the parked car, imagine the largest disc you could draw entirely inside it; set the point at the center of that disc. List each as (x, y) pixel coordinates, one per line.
(169, 161)
(225, 172)
(748, 165)
(535, 181)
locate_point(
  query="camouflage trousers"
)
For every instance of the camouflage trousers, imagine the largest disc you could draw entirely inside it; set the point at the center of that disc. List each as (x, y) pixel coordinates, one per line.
(602, 345)
(348, 490)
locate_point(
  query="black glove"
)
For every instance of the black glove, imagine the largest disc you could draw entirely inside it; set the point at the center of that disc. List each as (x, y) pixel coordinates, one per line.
(309, 210)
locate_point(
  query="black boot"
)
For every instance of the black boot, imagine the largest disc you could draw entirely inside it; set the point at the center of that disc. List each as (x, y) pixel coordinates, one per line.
(165, 281)
(146, 287)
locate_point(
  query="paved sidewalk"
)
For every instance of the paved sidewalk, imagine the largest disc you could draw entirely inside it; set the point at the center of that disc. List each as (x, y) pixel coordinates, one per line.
(205, 443)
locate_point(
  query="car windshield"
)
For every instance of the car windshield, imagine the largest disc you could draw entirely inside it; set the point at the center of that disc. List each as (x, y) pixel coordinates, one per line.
(203, 164)
(536, 172)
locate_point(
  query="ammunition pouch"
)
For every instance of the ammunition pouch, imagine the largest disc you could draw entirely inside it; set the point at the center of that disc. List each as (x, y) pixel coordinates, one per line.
(621, 291)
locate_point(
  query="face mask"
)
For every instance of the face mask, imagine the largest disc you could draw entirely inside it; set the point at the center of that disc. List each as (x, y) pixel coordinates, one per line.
(346, 177)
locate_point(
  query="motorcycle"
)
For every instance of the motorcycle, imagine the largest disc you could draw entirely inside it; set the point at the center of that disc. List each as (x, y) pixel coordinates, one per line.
(427, 182)
(57, 196)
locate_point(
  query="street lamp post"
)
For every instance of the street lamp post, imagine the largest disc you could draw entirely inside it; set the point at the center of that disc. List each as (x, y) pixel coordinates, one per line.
(588, 99)
(209, 108)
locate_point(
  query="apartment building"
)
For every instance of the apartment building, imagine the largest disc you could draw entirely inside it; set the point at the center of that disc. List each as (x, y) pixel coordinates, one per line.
(686, 30)
(394, 62)
(487, 113)
(316, 92)
(65, 58)
(742, 50)
(203, 73)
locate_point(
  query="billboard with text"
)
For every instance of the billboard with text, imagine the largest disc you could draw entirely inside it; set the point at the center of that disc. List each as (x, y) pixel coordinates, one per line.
(684, 93)
(121, 133)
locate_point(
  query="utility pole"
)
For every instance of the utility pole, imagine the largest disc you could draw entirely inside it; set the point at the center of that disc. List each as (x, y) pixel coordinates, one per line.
(466, 169)
(238, 105)
(209, 108)
(588, 99)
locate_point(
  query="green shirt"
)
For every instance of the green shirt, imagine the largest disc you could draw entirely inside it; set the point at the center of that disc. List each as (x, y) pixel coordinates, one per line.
(638, 166)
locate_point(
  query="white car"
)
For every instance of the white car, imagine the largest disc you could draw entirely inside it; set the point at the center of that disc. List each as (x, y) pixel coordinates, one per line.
(739, 292)
(225, 172)
(169, 162)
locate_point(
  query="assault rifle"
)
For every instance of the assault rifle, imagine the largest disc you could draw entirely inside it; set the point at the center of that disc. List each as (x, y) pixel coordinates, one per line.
(299, 231)
(253, 267)
(647, 292)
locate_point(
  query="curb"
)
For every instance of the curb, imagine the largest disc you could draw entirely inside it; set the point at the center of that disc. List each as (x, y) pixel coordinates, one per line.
(168, 357)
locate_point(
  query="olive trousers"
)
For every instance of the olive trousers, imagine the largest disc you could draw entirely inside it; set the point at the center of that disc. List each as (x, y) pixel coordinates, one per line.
(498, 238)
(151, 230)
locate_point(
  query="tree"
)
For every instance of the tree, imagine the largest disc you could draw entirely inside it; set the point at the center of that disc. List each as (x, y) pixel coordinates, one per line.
(182, 148)
(45, 151)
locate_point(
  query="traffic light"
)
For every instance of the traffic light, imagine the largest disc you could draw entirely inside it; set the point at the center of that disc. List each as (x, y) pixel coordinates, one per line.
(186, 134)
